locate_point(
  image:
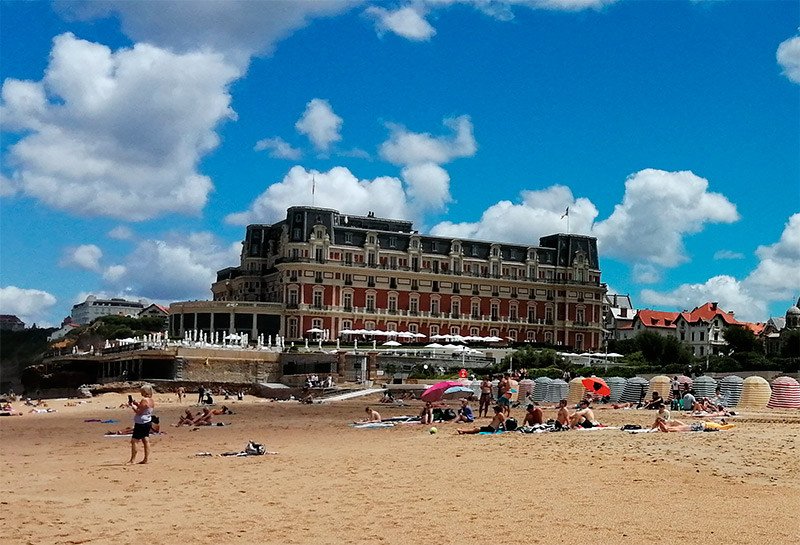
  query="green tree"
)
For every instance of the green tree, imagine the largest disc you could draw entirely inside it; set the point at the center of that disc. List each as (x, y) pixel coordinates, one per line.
(742, 339)
(791, 344)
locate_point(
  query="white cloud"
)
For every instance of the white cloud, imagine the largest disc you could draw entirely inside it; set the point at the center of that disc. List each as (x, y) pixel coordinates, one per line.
(278, 148)
(176, 267)
(29, 305)
(409, 148)
(407, 22)
(118, 134)
(114, 273)
(728, 254)
(537, 215)
(788, 56)
(428, 186)
(239, 28)
(8, 187)
(121, 232)
(775, 278)
(777, 275)
(320, 124)
(658, 210)
(337, 188)
(85, 256)
(727, 290)
(645, 273)
(564, 5)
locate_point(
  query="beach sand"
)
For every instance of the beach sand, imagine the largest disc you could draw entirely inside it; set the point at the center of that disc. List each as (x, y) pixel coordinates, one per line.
(65, 483)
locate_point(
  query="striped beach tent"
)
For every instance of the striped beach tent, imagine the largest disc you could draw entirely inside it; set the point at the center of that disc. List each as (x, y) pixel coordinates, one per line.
(635, 389)
(557, 390)
(660, 384)
(755, 393)
(540, 388)
(576, 391)
(617, 386)
(704, 386)
(526, 386)
(731, 389)
(785, 394)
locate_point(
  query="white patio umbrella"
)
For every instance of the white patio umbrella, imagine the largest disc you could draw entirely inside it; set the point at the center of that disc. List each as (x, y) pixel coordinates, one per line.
(405, 335)
(419, 335)
(314, 330)
(346, 332)
(614, 355)
(433, 345)
(391, 343)
(438, 337)
(493, 339)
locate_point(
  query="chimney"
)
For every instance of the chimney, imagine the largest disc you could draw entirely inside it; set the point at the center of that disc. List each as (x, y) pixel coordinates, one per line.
(714, 305)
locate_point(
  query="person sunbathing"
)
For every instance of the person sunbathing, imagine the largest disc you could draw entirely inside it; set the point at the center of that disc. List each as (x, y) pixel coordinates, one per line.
(186, 418)
(678, 426)
(497, 423)
(584, 417)
(426, 414)
(155, 427)
(533, 416)
(204, 419)
(624, 405)
(372, 415)
(223, 410)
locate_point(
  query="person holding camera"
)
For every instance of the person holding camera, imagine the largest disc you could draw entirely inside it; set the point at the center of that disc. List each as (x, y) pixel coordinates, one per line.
(142, 422)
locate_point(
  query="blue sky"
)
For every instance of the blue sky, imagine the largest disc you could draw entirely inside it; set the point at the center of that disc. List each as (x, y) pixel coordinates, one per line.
(137, 143)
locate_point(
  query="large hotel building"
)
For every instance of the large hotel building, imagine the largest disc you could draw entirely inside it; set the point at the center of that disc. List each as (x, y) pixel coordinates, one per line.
(330, 271)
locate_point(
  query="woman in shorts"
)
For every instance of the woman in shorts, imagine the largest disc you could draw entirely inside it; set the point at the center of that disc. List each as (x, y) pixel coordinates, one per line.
(142, 422)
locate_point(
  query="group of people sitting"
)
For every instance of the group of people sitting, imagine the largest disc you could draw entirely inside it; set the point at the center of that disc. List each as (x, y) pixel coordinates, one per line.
(313, 381)
(203, 418)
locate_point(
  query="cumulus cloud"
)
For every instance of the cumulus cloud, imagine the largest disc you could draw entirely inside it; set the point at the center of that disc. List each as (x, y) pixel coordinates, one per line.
(29, 305)
(777, 275)
(8, 187)
(175, 267)
(409, 148)
(85, 256)
(408, 22)
(645, 273)
(539, 213)
(320, 124)
(788, 56)
(121, 232)
(428, 185)
(658, 210)
(278, 148)
(727, 290)
(118, 134)
(384, 195)
(727, 254)
(775, 278)
(239, 28)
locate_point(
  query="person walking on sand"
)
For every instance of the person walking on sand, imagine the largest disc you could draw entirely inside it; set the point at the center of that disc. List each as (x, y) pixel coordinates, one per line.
(201, 393)
(181, 392)
(142, 423)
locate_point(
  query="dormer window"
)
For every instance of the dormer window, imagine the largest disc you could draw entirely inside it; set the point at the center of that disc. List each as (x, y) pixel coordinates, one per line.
(348, 238)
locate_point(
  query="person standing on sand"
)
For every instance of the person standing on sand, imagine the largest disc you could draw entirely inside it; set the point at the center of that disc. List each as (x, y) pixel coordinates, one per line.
(181, 393)
(486, 397)
(201, 393)
(142, 422)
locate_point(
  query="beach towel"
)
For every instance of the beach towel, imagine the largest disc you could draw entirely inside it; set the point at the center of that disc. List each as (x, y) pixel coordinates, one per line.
(369, 425)
(597, 428)
(646, 430)
(498, 432)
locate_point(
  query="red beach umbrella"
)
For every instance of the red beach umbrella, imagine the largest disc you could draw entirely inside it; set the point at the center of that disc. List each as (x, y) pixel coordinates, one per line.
(435, 392)
(596, 386)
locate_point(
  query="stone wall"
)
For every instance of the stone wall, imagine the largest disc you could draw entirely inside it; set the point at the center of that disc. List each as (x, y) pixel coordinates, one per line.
(200, 365)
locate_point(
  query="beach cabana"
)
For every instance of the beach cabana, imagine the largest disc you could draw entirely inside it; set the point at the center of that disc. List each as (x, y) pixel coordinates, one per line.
(660, 384)
(617, 386)
(704, 386)
(540, 388)
(785, 394)
(755, 393)
(526, 386)
(557, 390)
(635, 390)
(731, 389)
(576, 391)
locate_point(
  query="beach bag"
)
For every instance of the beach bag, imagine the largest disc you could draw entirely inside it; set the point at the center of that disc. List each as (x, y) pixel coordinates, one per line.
(254, 449)
(511, 424)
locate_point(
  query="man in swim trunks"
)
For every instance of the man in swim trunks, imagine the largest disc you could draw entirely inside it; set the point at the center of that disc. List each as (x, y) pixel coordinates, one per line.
(504, 394)
(372, 415)
(562, 418)
(534, 415)
(496, 424)
(584, 417)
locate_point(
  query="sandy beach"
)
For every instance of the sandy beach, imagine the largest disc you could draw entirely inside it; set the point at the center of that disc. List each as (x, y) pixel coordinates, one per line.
(64, 482)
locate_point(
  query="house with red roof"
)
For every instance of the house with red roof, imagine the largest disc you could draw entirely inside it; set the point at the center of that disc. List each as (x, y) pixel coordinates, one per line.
(703, 328)
(11, 322)
(655, 321)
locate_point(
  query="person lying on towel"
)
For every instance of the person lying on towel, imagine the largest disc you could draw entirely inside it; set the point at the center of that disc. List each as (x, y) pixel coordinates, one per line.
(497, 423)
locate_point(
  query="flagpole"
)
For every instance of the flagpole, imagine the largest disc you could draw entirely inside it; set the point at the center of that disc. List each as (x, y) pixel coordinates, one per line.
(313, 189)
